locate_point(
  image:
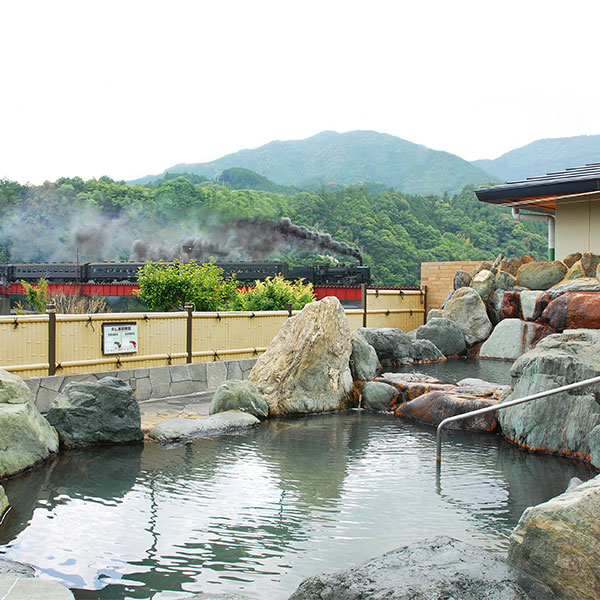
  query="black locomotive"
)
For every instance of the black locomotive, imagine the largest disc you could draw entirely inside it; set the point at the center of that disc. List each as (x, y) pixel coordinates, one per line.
(126, 272)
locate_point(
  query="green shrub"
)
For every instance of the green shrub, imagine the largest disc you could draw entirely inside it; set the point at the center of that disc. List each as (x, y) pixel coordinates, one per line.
(168, 286)
(273, 294)
(36, 297)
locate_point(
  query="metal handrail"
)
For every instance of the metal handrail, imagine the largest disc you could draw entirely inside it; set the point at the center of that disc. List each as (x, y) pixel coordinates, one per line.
(487, 409)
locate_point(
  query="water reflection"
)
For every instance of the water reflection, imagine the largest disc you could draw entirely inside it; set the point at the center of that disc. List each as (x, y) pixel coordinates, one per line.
(258, 512)
(453, 370)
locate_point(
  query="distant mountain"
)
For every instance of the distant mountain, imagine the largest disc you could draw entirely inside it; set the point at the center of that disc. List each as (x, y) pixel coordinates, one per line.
(238, 178)
(543, 156)
(347, 158)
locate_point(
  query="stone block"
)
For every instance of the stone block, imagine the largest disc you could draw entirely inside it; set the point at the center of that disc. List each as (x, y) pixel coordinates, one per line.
(216, 374)
(143, 389)
(139, 373)
(55, 383)
(34, 385)
(180, 373)
(160, 380)
(124, 374)
(183, 388)
(233, 369)
(44, 399)
(198, 372)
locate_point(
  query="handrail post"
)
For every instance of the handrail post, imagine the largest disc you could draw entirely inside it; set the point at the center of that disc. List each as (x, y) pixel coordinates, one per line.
(51, 310)
(487, 409)
(189, 307)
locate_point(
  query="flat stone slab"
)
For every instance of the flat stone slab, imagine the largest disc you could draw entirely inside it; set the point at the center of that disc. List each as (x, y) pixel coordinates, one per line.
(191, 429)
(437, 569)
(11, 567)
(20, 588)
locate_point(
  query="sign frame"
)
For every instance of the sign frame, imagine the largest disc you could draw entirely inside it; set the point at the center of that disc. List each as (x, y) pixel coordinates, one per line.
(113, 338)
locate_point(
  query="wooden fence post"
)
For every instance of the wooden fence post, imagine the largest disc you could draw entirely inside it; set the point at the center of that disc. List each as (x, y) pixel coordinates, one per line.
(51, 310)
(363, 302)
(190, 307)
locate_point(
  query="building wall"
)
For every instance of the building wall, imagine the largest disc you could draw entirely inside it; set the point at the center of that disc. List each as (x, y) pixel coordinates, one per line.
(577, 227)
(439, 279)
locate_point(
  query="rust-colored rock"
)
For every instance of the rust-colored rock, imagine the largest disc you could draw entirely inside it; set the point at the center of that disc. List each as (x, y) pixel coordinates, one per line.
(571, 259)
(411, 386)
(511, 265)
(511, 306)
(573, 310)
(434, 407)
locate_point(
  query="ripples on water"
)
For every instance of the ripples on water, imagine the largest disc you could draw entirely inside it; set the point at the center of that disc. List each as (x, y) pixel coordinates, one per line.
(258, 512)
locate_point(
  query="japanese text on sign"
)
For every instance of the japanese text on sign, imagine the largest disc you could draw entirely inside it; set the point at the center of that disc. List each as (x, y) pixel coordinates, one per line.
(119, 338)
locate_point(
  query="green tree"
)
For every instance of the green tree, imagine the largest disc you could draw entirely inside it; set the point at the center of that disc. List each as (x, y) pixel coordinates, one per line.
(168, 286)
(273, 294)
(36, 297)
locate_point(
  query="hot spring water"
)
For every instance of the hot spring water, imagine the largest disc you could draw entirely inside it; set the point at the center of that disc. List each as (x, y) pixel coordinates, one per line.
(256, 513)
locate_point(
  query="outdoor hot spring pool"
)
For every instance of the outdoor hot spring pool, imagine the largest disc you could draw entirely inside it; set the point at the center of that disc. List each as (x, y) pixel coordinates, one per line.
(256, 513)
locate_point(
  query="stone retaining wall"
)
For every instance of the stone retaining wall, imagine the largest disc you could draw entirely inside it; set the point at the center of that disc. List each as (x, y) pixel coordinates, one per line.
(150, 383)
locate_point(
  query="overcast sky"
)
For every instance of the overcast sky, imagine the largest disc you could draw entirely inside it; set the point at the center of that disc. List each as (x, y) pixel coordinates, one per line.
(126, 88)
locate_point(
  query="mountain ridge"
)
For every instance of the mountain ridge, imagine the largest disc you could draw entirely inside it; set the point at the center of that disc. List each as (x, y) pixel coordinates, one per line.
(347, 158)
(543, 156)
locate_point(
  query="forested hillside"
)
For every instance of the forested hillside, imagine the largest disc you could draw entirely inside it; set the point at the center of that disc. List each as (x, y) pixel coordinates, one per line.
(349, 158)
(104, 220)
(543, 156)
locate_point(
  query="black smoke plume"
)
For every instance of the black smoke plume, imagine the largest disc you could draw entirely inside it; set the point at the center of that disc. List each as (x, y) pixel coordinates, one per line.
(244, 239)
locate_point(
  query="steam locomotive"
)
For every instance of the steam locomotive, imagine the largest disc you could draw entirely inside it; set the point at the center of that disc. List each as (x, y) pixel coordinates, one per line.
(126, 272)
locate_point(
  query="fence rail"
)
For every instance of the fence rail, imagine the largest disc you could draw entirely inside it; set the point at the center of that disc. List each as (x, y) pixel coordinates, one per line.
(30, 348)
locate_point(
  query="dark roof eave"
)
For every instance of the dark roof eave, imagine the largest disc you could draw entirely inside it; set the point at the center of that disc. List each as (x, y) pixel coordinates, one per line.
(528, 189)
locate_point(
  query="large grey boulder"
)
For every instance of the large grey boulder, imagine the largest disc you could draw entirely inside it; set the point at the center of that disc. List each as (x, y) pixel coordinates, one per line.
(512, 265)
(445, 334)
(392, 345)
(13, 390)
(533, 303)
(434, 569)
(3, 502)
(504, 281)
(594, 444)
(483, 283)
(242, 395)
(511, 338)
(378, 396)
(541, 275)
(364, 363)
(93, 412)
(561, 423)
(434, 313)
(467, 310)
(587, 284)
(424, 351)
(25, 436)
(191, 429)
(306, 367)
(557, 542)
(461, 279)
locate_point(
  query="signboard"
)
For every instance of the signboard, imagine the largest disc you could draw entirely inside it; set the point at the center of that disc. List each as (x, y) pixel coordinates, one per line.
(119, 338)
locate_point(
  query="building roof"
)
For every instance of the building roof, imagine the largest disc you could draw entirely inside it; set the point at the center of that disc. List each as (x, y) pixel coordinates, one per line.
(541, 193)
